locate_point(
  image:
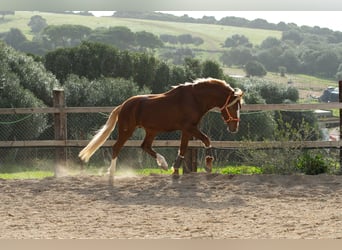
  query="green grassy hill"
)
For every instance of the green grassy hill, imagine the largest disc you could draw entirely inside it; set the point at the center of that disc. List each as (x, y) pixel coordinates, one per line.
(213, 35)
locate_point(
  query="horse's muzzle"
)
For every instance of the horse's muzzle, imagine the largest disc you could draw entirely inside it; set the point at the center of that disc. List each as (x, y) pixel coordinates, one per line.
(233, 131)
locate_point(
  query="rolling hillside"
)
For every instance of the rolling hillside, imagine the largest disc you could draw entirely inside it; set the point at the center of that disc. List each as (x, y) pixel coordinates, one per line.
(213, 35)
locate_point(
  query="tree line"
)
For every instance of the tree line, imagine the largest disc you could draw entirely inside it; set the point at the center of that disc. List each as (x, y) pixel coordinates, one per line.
(94, 60)
(95, 74)
(304, 50)
(294, 53)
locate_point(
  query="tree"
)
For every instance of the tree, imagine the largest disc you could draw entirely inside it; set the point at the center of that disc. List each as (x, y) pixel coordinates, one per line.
(37, 24)
(261, 24)
(90, 60)
(270, 58)
(177, 74)
(185, 39)
(270, 42)
(162, 78)
(31, 75)
(327, 63)
(292, 94)
(290, 60)
(308, 58)
(124, 64)
(237, 40)
(66, 34)
(119, 36)
(15, 38)
(197, 40)
(79, 91)
(168, 38)
(292, 35)
(282, 71)
(212, 69)
(148, 40)
(59, 63)
(145, 69)
(24, 83)
(193, 69)
(237, 56)
(13, 94)
(178, 56)
(255, 68)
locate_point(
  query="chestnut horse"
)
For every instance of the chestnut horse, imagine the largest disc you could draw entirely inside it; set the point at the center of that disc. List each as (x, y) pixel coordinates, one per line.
(181, 108)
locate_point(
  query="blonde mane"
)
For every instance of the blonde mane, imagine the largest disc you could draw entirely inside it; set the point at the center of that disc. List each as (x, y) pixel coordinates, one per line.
(199, 81)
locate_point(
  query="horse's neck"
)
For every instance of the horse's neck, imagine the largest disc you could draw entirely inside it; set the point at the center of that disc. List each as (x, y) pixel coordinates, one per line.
(210, 100)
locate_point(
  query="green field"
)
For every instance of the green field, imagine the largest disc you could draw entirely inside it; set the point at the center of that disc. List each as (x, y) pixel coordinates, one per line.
(26, 175)
(213, 35)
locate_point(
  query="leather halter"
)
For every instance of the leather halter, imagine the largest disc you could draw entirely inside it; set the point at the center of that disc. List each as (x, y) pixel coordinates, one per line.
(226, 106)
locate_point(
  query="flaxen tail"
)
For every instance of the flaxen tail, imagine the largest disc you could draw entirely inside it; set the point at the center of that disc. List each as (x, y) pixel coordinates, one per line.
(101, 136)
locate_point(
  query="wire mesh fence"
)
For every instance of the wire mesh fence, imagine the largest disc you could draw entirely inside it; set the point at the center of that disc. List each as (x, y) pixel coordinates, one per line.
(255, 126)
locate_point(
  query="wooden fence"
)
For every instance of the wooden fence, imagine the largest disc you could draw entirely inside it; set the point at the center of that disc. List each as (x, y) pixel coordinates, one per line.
(60, 142)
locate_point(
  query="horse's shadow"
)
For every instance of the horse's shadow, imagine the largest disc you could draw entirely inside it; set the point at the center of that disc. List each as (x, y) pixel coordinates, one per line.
(190, 190)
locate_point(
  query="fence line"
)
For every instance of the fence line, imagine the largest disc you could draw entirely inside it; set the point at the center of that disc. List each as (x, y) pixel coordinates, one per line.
(168, 143)
(61, 142)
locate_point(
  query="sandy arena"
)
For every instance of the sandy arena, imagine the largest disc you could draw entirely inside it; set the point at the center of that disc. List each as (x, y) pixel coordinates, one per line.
(157, 207)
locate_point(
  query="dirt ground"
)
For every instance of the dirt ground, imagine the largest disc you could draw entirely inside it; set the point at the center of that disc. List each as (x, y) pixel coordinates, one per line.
(152, 207)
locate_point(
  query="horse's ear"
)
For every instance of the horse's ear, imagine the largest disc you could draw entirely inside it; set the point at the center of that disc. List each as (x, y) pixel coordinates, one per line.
(238, 92)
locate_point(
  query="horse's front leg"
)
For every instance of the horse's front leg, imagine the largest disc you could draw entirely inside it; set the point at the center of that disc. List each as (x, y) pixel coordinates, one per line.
(182, 150)
(147, 147)
(208, 149)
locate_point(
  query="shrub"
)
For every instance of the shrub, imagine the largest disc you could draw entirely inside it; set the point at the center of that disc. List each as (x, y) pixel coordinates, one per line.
(313, 164)
(254, 68)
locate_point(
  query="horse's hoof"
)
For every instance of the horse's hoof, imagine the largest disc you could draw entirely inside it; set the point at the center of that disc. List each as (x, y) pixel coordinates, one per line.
(175, 176)
(175, 173)
(208, 170)
(111, 181)
(208, 163)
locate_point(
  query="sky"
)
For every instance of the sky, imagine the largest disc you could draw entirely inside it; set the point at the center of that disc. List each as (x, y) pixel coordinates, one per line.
(323, 19)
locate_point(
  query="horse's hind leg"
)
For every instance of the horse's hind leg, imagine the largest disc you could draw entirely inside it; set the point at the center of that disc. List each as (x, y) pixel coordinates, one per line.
(147, 147)
(208, 159)
(124, 135)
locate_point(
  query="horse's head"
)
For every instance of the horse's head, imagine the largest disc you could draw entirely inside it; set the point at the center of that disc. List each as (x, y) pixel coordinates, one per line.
(231, 110)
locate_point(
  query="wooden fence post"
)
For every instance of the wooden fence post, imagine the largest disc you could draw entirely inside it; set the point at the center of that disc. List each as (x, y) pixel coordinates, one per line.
(340, 100)
(60, 125)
